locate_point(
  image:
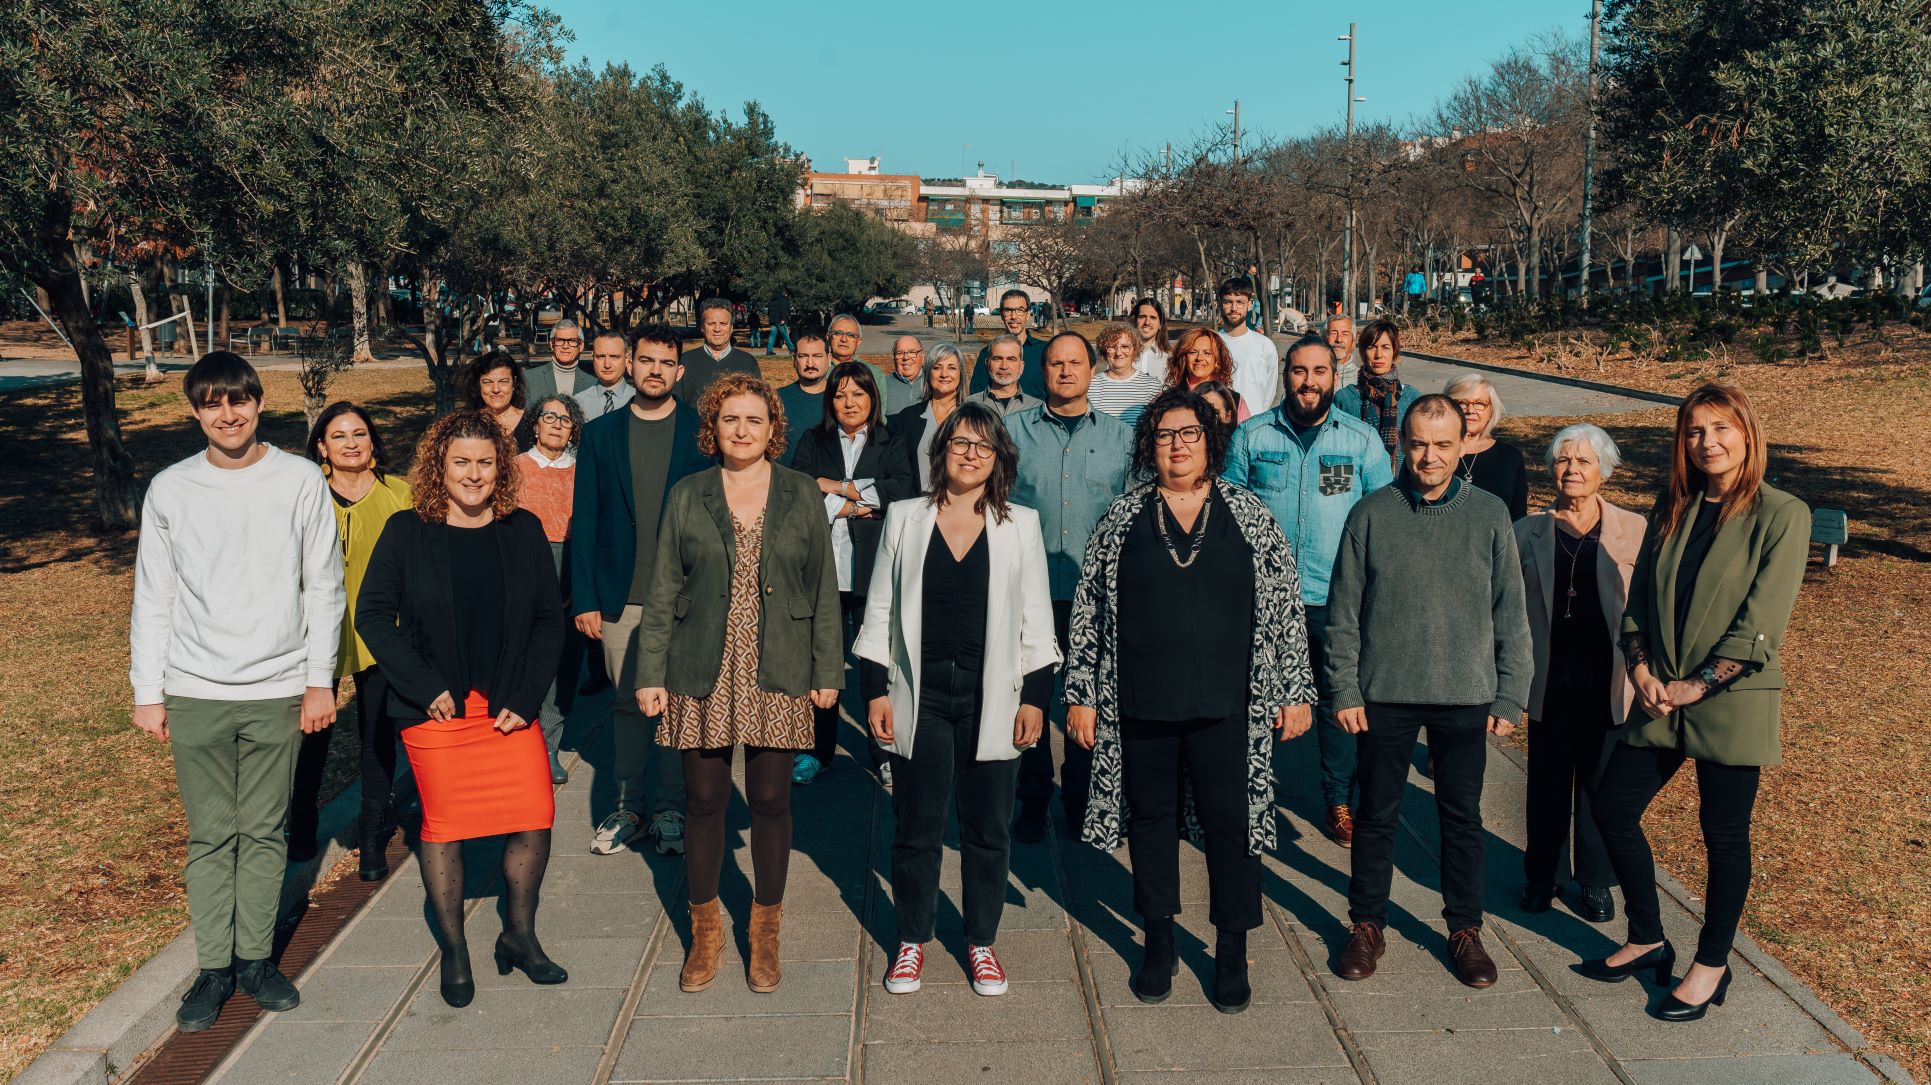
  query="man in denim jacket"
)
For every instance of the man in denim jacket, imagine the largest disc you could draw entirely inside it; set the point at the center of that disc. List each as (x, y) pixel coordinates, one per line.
(1310, 465)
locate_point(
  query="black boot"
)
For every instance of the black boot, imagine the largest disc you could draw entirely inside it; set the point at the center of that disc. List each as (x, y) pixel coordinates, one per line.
(1231, 990)
(378, 822)
(458, 983)
(1155, 980)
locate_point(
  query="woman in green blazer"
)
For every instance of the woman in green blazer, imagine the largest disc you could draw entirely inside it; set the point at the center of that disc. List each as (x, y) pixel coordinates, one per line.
(740, 639)
(1708, 602)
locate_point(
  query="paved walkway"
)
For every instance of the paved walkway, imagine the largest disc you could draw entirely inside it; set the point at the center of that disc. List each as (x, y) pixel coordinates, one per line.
(371, 1012)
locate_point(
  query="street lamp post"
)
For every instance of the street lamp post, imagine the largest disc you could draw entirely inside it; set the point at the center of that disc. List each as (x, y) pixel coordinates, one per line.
(1589, 153)
(1347, 229)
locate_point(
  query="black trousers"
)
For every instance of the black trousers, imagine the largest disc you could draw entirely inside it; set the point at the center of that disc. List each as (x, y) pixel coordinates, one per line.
(1568, 748)
(376, 732)
(1458, 737)
(945, 765)
(1036, 762)
(1215, 752)
(1726, 797)
(824, 721)
(1337, 747)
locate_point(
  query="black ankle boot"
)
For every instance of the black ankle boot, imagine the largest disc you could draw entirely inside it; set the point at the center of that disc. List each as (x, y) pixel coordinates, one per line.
(1155, 979)
(1231, 990)
(459, 984)
(378, 822)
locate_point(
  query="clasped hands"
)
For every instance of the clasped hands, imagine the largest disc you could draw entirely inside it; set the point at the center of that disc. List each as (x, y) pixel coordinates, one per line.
(1027, 725)
(443, 709)
(653, 700)
(1290, 721)
(1355, 721)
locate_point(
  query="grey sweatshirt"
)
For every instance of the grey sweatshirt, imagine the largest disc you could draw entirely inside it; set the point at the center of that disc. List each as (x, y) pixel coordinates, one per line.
(1426, 605)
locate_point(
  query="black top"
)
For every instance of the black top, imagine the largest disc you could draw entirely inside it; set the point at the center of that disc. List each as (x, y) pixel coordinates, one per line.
(1305, 436)
(1695, 549)
(649, 444)
(1185, 635)
(476, 576)
(955, 603)
(1499, 470)
(1580, 654)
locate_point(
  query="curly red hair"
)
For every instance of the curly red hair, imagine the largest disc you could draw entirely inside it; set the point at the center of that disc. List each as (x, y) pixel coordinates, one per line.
(426, 484)
(734, 383)
(1177, 361)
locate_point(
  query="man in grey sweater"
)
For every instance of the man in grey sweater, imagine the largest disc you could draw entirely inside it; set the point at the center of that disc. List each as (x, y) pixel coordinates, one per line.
(1426, 629)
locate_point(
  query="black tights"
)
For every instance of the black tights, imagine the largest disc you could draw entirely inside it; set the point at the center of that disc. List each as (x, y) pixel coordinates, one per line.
(707, 795)
(525, 855)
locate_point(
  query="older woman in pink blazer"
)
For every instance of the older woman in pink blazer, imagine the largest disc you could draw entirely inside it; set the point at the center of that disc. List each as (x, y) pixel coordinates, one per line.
(1577, 556)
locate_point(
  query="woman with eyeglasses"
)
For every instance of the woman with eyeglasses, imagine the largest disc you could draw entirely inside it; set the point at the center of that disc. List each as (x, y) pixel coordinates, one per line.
(957, 698)
(1487, 462)
(546, 478)
(1138, 621)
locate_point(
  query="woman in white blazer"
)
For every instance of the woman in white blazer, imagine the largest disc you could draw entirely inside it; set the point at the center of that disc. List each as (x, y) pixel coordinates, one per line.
(955, 699)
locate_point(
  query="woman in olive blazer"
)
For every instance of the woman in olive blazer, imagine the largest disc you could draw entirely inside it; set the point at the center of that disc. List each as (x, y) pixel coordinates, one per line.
(739, 641)
(1709, 600)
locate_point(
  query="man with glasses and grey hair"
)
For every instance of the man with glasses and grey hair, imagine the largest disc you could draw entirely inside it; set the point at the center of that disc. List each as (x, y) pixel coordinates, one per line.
(716, 355)
(905, 385)
(561, 376)
(1015, 309)
(842, 337)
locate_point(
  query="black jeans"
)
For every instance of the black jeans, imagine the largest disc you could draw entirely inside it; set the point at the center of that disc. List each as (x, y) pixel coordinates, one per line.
(1568, 748)
(825, 721)
(1036, 762)
(1338, 748)
(1215, 753)
(1726, 796)
(944, 764)
(1458, 737)
(376, 732)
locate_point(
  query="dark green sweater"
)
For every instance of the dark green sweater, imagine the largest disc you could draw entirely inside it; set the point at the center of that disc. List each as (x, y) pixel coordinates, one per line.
(1426, 605)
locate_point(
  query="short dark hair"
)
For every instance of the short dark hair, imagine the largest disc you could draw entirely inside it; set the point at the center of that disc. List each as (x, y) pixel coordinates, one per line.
(1016, 293)
(1005, 458)
(487, 363)
(1432, 405)
(221, 375)
(1239, 284)
(708, 304)
(1306, 342)
(860, 374)
(612, 333)
(1092, 359)
(1218, 435)
(378, 459)
(810, 335)
(660, 334)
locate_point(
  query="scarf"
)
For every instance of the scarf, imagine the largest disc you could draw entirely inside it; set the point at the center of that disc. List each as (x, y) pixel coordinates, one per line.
(1380, 407)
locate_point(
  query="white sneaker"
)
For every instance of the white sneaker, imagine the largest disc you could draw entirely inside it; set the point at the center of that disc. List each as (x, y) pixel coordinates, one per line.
(987, 977)
(614, 834)
(668, 828)
(903, 979)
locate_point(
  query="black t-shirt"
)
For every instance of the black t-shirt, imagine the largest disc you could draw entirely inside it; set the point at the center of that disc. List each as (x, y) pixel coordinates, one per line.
(1581, 657)
(1186, 635)
(650, 451)
(1305, 436)
(476, 578)
(1695, 549)
(955, 603)
(1499, 470)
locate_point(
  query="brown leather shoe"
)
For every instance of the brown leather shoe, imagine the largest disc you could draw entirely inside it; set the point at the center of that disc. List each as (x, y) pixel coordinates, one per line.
(707, 945)
(1340, 825)
(1365, 947)
(764, 972)
(1472, 963)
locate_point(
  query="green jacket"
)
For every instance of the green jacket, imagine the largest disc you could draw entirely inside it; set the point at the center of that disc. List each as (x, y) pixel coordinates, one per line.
(1739, 607)
(681, 637)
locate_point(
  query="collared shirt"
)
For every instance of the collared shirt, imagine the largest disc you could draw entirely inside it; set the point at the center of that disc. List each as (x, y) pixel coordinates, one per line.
(1309, 490)
(598, 400)
(1154, 362)
(852, 446)
(1032, 373)
(1069, 476)
(1018, 401)
(564, 460)
(901, 393)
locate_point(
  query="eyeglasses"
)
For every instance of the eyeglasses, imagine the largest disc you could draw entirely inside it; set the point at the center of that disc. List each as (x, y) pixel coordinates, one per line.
(552, 416)
(967, 448)
(907, 353)
(1014, 309)
(844, 335)
(561, 342)
(1186, 435)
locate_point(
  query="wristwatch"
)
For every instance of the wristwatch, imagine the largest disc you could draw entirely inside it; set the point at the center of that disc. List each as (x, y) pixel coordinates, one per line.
(1709, 678)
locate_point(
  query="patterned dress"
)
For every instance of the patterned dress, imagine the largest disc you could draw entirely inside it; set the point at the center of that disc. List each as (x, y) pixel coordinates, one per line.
(738, 710)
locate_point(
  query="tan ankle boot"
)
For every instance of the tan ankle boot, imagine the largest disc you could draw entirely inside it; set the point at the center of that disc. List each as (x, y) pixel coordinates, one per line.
(764, 972)
(707, 945)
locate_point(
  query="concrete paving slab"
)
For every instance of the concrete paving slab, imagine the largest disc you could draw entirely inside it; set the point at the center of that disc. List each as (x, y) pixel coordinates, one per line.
(1756, 1022)
(953, 1013)
(1051, 1062)
(1536, 1056)
(295, 1053)
(1168, 1037)
(503, 1019)
(735, 1049)
(547, 1062)
(1783, 1069)
(350, 993)
(384, 941)
(808, 987)
(1279, 1075)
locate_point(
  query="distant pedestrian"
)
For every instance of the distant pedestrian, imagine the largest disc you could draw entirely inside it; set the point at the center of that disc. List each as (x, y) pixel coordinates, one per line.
(779, 309)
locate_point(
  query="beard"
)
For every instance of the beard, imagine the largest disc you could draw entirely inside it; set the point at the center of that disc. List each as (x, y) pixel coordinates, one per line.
(1308, 418)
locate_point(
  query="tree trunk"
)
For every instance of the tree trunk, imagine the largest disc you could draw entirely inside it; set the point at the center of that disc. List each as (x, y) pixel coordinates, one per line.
(276, 279)
(1717, 238)
(222, 293)
(1534, 279)
(385, 316)
(139, 293)
(359, 306)
(1672, 260)
(114, 496)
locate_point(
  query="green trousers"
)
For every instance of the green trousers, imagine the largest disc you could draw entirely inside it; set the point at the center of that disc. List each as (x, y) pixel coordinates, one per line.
(235, 763)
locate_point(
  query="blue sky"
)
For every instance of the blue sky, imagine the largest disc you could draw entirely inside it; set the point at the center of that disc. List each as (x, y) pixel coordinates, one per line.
(1054, 91)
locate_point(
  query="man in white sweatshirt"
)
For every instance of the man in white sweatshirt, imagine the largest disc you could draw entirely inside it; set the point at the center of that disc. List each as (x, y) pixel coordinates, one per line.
(1257, 363)
(237, 613)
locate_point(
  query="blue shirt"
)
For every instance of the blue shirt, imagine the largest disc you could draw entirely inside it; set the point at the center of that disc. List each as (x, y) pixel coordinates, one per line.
(1069, 477)
(1309, 491)
(802, 411)
(1032, 377)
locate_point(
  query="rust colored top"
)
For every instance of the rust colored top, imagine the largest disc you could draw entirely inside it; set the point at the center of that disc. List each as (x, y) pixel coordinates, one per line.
(545, 487)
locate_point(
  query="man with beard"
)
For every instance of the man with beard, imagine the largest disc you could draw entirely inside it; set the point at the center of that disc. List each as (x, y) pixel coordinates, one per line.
(804, 398)
(1310, 465)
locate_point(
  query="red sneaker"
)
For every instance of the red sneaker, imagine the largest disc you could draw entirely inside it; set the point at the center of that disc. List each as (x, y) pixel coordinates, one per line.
(903, 979)
(987, 977)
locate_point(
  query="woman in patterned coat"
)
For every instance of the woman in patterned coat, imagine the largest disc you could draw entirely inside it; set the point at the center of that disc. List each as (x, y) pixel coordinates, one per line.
(1189, 576)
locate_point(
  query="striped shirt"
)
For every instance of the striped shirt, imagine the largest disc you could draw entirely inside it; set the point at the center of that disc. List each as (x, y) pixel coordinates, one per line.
(1123, 399)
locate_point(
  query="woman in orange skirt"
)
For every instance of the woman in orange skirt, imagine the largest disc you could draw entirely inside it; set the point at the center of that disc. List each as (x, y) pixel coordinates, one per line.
(460, 607)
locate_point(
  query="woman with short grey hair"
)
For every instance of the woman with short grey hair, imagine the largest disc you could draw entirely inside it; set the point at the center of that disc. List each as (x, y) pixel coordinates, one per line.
(1489, 464)
(1577, 557)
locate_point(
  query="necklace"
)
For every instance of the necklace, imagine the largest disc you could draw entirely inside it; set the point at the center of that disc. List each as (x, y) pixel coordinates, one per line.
(1160, 515)
(1468, 467)
(1568, 604)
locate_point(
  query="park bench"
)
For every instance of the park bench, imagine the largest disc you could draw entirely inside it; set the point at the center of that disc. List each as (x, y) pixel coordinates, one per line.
(1832, 528)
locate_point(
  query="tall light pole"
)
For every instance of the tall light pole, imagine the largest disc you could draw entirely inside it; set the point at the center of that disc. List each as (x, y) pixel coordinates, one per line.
(1589, 153)
(1347, 229)
(1236, 112)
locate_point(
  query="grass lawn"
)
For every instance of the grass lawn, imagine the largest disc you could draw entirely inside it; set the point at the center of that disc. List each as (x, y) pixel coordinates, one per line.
(92, 836)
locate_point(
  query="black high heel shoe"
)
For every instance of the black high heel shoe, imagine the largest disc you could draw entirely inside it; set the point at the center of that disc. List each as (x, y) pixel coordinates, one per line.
(537, 966)
(458, 984)
(1675, 1009)
(1662, 959)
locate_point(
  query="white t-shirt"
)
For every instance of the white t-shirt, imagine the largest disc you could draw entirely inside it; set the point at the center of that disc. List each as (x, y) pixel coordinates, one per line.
(1153, 362)
(1257, 368)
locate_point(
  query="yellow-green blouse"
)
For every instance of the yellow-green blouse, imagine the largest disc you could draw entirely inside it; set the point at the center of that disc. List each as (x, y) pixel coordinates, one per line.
(358, 526)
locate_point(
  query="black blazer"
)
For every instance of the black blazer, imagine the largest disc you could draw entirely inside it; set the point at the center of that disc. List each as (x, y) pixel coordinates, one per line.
(900, 472)
(819, 456)
(406, 610)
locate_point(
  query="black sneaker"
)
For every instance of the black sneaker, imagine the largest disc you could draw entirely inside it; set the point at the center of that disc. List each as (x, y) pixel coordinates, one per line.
(203, 1002)
(270, 989)
(1030, 826)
